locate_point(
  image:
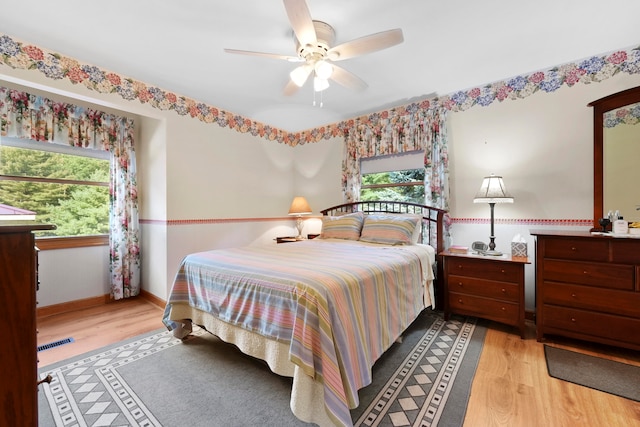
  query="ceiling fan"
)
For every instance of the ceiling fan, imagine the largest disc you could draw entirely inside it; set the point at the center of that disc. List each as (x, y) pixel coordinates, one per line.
(315, 50)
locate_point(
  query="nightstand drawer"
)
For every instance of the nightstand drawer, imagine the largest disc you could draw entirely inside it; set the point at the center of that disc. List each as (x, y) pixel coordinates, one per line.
(483, 287)
(500, 311)
(484, 268)
(603, 275)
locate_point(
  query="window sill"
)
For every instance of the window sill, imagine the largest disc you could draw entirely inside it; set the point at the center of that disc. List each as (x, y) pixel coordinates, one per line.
(50, 243)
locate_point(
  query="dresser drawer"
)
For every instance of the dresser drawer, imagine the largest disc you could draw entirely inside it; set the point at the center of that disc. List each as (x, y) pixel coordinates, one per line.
(625, 251)
(483, 287)
(577, 249)
(487, 308)
(484, 269)
(607, 326)
(624, 303)
(613, 276)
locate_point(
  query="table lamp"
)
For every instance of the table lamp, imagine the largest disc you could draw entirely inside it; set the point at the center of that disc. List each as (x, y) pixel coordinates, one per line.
(492, 191)
(299, 207)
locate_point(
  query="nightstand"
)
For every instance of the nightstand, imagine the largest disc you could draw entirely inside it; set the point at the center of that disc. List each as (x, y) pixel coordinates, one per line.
(490, 287)
(288, 239)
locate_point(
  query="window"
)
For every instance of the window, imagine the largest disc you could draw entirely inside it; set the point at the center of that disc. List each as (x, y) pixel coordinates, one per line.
(393, 178)
(403, 186)
(65, 186)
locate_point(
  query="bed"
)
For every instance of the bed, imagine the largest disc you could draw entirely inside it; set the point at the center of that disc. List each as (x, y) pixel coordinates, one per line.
(320, 311)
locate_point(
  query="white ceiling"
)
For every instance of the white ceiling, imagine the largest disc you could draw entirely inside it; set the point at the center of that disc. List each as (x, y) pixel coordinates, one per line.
(448, 46)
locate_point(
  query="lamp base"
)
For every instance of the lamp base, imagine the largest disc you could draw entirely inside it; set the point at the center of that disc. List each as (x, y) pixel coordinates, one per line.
(299, 227)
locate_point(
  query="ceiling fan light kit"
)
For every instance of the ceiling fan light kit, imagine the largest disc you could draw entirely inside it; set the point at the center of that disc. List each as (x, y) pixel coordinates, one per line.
(323, 69)
(320, 84)
(314, 42)
(300, 74)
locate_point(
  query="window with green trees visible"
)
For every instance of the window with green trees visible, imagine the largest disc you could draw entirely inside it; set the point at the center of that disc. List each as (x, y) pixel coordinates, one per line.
(68, 190)
(404, 186)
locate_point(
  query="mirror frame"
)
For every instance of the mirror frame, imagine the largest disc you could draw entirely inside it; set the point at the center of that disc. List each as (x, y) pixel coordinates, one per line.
(601, 106)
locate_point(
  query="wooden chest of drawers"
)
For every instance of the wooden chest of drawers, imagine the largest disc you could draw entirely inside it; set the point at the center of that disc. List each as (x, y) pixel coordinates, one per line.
(18, 358)
(485, 286)
(588, 287)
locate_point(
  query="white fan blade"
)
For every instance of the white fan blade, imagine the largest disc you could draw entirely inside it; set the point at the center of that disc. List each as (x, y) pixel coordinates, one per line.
(265, 55)
(366, 44)
(347, 79)
(301, 22)
(291, 88)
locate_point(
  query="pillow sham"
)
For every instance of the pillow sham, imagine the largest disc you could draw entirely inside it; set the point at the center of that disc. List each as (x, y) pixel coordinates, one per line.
(389, 229)
(345, 227)
(415, 238)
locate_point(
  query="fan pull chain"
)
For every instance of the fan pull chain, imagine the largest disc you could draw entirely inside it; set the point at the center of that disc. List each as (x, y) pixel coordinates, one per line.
(314, 99)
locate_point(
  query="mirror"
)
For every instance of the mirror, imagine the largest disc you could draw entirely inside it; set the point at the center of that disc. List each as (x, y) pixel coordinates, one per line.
(616, 152)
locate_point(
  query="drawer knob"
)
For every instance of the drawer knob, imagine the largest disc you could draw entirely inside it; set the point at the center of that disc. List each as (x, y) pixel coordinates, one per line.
(504, 291)
(573, 319)
(460, 300)
(573, 295)
(460, 284)
(459, 267)
(573, 248)
(503, 309)
(502, 271)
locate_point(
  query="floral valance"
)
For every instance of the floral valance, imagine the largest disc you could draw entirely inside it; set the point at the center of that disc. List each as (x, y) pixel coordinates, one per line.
(28, 116)
(402, 132)
(628, 115)
(21, 55)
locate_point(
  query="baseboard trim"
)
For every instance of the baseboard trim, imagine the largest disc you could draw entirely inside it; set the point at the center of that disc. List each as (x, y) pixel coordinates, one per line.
(65, 307)
(152, 298)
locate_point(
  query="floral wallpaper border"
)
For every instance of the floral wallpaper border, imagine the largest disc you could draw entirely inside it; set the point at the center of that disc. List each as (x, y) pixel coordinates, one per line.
(629, 115)
(20, 55)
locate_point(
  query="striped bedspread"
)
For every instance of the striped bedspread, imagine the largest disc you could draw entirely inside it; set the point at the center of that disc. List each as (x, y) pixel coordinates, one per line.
(338, 304)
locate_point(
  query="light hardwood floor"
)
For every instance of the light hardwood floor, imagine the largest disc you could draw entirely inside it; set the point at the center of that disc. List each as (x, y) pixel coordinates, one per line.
(511, 386)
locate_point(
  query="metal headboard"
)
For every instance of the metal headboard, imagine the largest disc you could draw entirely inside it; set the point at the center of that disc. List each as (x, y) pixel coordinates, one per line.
(432, 218)
(432, 228)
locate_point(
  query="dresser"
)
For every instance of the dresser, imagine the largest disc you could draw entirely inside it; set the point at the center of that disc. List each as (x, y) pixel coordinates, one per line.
(489, 287)
(588, 287)
(18, 357)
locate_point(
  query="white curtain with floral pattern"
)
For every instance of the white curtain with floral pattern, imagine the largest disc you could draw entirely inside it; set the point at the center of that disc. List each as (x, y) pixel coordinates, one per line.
(27, 116)
(400, 131)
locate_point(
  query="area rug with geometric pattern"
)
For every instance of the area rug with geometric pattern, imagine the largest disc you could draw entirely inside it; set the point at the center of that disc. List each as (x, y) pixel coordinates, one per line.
(158, 380)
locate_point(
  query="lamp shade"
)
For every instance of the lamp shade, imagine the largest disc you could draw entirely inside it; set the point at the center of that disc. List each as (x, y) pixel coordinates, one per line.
(492, 190)
(299, 206)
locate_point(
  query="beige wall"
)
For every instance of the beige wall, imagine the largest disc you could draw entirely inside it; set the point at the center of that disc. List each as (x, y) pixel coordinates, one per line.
(189, 170)
(541, 145)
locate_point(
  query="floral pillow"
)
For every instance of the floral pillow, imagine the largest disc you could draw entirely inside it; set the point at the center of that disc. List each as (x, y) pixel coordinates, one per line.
(346, 227)
(389, 229)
